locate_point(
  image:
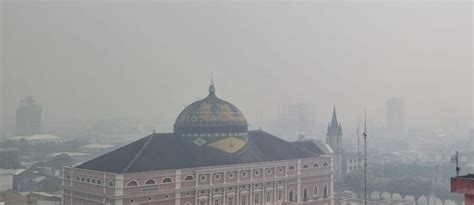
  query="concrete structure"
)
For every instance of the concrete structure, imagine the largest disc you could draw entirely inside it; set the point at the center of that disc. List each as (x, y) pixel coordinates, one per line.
(6, 178)
(28, 117)
(334, 139)
(395, 115)
(211, 158)
(352, 162)
(464, 185)
(96, 148)
(40, 139)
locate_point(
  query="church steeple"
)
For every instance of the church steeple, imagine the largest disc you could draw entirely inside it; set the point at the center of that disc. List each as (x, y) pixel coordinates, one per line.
(334, 127)
(334, 117)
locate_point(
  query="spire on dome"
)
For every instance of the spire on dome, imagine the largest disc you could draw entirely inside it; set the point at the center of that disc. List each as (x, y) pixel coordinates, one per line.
(212, 88)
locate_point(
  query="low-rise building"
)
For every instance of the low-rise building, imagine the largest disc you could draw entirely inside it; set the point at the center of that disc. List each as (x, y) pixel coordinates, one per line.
(464, 185)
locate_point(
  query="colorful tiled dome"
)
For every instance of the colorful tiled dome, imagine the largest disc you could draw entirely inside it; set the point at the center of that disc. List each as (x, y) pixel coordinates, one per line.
(209, 116)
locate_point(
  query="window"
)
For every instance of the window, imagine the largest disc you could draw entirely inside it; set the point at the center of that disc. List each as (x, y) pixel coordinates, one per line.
(290, 195)
(316, 165)
(83, 179)
(244, 173)
(203, 178)
(269, 171)
(167, 180)
(203, 202)
(93, 181)
(149, 198)
(217, 202)
(291, 167)
(111, 184)
(230, 201)
(315, 191)
(68, 176)
(325, 164)
(132, 183)
(230, 175)
(280, 170)
(243, 200)
(189, 178)
(280, 195)
(305, 166)
(217, 176)
(78, 178)
(99, 181)
(269, 197)
(88, 180)
(257, 198)
(257, 172)
(150, 182)
(325, 190)
(305, 194)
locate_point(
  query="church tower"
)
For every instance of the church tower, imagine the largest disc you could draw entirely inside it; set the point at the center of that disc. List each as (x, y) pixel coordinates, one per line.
(334, 139)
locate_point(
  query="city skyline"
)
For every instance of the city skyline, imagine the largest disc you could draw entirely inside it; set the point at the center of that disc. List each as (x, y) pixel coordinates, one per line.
(134, 77)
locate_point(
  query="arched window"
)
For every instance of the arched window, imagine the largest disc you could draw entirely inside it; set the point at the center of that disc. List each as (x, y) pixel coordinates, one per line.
(325, 190)
(111, 184)
(132, 183)
(99, 181)
(305, 166)
(290, 195)
(150, 182)
(316, 165)
(315, 191)
(325, 164)
(93, 181)
(305, 194)
(167, 180)
(291, 167)
(189, 178)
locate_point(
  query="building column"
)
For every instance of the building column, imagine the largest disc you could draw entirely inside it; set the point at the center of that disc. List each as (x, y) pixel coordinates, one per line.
(298, 186)
(177, 197)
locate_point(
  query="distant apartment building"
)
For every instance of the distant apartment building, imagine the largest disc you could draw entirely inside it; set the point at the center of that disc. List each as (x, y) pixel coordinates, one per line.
(395, 115)
(295, 119)
(28, 117)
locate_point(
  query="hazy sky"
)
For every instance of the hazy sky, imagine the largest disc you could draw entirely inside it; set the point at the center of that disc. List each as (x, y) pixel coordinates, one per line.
(145, 61)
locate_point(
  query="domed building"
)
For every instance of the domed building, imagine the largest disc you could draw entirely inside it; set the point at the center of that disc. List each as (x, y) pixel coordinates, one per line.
(213, 122)
(211, 158)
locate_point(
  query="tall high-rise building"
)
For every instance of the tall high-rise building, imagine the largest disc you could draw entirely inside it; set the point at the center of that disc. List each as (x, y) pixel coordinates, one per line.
(395, 114)
(334, 139)
(296, 119)
(28, 117)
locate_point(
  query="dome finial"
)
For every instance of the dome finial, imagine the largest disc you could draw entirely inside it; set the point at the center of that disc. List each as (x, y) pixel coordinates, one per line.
(212, 89)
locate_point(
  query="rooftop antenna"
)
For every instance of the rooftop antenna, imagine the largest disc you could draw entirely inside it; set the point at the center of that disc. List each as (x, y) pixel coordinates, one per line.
(358, 145)
(365, 156)
(455, 159)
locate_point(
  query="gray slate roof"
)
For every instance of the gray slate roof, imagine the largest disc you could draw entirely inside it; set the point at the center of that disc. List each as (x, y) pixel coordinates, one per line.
(165, 151)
